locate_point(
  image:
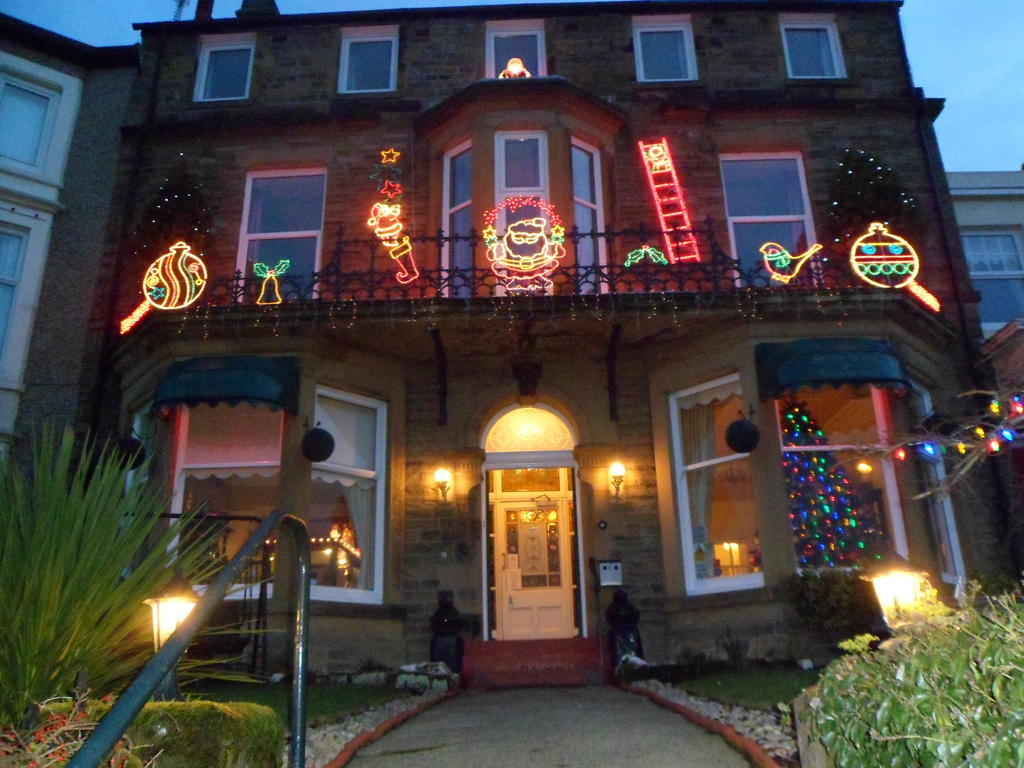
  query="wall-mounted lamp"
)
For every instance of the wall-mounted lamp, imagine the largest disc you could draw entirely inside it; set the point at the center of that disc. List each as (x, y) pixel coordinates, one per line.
(616, 474)
(443, 482)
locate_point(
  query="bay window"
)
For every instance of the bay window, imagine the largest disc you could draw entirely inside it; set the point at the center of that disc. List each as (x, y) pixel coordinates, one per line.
(587, 208)
(521, 160)
(714, 491)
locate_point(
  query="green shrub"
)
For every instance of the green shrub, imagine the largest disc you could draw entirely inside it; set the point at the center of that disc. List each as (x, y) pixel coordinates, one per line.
(835, 603)
(80, 549)
(947, 693)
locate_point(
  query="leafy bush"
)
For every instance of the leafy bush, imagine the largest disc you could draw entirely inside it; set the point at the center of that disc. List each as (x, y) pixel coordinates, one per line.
(836, 603)
(80, 549)
(946, 693)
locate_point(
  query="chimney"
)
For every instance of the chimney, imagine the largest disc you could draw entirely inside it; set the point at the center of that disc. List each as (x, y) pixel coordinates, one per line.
(204, 10)
(257, 9)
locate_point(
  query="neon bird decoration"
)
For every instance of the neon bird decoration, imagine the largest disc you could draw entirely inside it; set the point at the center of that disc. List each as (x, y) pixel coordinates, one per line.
(531, 248)
(270, 275)
(886, 260)
(385, 216)
(173, 281)
(680, 244)
(783, 265)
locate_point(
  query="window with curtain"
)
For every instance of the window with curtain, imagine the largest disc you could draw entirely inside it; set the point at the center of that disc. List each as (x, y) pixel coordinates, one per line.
(12, 249)
(346, 513)
(997, 271)
(521, 169)
(715, 494)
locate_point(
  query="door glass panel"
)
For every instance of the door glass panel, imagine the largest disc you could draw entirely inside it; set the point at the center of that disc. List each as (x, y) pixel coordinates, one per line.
(532, 537)
(545, 479)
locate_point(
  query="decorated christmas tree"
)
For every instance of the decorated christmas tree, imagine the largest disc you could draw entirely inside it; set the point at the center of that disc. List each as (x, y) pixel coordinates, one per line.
(864, 189)
(178, 211)
(831, 525)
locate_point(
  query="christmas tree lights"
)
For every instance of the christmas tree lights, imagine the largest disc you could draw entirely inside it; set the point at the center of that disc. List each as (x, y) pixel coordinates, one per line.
(831, 526)
(864, 188)
(680, 244)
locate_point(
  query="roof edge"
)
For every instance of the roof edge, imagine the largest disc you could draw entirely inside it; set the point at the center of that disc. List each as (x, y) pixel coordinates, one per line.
(66, 48)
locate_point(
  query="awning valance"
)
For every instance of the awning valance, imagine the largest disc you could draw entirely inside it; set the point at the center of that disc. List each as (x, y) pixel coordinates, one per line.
(272, 381)
(817, 362)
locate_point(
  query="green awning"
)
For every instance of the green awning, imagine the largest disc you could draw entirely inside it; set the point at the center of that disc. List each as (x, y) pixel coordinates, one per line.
(819, 362)
(272, 381)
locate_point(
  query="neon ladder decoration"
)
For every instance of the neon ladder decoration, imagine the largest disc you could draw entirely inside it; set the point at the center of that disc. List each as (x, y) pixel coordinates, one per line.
(886, 260)
(680, 244)
(173, 281)
(385, 216)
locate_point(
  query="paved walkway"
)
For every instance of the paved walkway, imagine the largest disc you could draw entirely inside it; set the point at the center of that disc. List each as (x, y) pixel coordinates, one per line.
(549, 728)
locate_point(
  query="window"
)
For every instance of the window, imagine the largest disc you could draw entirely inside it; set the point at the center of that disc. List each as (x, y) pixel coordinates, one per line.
(994, 259)
(840, 478)
(346, 512)
(458, 214)
(25, 111)
(766, 201)
(369, 59)
(225, 67)
(282, 220)
(521, 39)
(12, 250)
(663, 46)
(812, 47)
(587, 208)
(522, 169)
(714, 491)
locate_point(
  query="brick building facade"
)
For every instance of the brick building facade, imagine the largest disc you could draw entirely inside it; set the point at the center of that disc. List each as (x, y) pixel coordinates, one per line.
(528, 393)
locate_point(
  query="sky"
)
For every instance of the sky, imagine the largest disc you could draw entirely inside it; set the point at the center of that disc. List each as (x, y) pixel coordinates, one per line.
(969, 52)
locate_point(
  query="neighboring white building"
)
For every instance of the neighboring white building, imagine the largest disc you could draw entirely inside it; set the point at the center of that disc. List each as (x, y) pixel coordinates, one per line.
(990, 211)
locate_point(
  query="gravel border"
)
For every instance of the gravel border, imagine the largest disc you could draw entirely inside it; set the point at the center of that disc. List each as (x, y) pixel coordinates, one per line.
(759, 733)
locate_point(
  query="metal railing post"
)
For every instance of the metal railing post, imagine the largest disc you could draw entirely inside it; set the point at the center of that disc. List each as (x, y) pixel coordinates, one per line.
(297, 712)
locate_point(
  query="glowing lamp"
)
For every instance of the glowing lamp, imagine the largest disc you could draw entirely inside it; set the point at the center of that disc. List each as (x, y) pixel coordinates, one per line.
(864, 467)
(515, 68)
(443, 482)
(616, 474)
(170, 608)
(897, 586)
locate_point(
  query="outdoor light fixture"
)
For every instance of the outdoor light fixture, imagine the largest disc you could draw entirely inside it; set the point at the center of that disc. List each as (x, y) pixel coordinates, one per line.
(616, 474)
(169, 609)
(443, 482)
(897, 586)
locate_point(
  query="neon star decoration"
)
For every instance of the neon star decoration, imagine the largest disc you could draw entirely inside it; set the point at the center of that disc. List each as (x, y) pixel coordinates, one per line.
(648, 252)
(783, 265)
(386, 216)
(680, 244)
(269, 290)
(886, 260)
(531, 248)
(173, 281)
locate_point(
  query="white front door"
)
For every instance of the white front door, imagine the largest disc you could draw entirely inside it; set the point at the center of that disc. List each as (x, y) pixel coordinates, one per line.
(533, 569)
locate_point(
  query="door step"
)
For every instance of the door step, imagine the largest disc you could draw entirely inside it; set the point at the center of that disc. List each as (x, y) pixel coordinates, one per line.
(532, 663)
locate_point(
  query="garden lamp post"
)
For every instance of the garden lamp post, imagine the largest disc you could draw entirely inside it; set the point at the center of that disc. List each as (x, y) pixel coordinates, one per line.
(898, 586)
(169, 609)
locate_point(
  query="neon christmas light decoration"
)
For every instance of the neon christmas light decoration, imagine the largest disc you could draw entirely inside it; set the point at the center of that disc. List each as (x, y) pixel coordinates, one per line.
(514, 68)
(269, 290)
(648, 252)
(173, 281)
(385, 216)
(680, 244)
(783, 265)
(886, 260)
(530, 250)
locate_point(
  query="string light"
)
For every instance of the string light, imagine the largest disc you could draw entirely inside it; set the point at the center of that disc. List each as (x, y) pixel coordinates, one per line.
(670, 202)
(886, 260)
(173, 281)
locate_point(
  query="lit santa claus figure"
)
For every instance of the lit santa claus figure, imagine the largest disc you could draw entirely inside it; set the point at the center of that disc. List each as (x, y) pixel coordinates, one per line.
(514, 68)
(531, 248)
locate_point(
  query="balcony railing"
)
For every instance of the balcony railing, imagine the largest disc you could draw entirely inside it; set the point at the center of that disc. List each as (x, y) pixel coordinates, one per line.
(594, 264)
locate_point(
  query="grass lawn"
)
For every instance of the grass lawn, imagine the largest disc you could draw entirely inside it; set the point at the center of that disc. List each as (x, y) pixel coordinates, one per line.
(756, 688)
(325, 702)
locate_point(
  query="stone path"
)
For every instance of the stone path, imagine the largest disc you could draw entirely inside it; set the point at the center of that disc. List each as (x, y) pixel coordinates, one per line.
(548, 728)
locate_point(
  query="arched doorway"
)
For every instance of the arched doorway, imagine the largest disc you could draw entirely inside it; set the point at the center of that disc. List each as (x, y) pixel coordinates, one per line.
(531, 573)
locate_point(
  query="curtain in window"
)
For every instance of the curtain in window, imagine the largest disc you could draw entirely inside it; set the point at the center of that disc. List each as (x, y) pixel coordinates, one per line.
(698, 439)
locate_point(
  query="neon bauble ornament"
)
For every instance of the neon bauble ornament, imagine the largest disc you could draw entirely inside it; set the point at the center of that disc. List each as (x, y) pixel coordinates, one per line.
(269, 290)
(680, 244)
(886, 260)
(648, 252)
(783, 265)
(173, 281)
(385, 216)
(531, 248)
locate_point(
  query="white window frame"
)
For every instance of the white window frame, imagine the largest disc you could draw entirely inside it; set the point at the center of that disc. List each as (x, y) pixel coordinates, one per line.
(515, 27)
(673, 23)
(883, 424)
(500, 190)
(52, 99)
(1014, 274)
(695, 586)
(7, 323)
(814, 21)
(807, 218)
(598, 204)
(349, 35)
(211, 43)
(373, 596)
(446, 210)
(244, 238)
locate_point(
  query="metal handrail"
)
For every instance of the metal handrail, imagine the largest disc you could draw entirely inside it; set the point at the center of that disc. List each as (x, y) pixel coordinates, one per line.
(130, 702)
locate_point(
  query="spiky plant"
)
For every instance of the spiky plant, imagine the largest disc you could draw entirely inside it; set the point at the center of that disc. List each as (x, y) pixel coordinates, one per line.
(80, 548)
